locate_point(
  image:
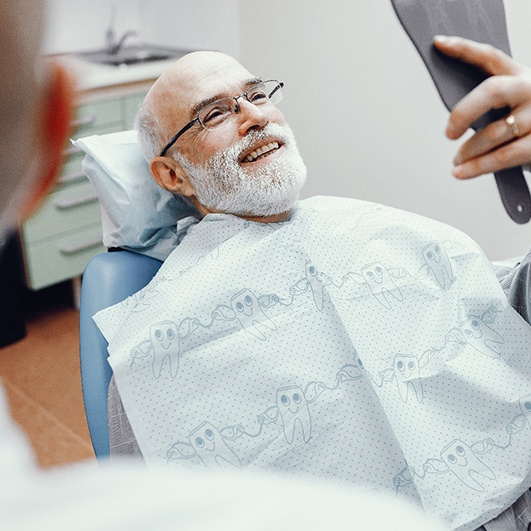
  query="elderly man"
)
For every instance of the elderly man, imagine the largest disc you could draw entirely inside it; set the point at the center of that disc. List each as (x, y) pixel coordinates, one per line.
(328, 338)
(243, 140)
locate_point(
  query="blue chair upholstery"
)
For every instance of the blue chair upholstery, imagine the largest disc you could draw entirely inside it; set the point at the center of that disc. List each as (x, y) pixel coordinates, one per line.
(108, 279)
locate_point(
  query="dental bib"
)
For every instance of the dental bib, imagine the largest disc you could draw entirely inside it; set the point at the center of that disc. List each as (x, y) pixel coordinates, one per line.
(355, 343)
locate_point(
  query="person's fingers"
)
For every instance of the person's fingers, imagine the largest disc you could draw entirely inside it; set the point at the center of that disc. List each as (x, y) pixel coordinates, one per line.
(485, 56)
(505, 88)
(494, 93)
(512, 154)
(495, 135)
(502, 144)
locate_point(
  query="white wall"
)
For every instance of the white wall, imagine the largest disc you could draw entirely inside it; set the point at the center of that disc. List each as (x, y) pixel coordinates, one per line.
(204, 24)
(79, 25)
(366, 114)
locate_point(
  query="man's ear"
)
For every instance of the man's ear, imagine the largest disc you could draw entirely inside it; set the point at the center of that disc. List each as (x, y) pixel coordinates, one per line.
(52, 129)
(168, 173)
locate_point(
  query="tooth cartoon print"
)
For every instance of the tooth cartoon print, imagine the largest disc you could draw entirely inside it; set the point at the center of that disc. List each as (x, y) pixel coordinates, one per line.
(462, 462)
(294, 411)
(251, 317)
(165, 343)
(381, 284)
(358, 370)
(439, 264)
(523, 419)
(210, 446)
(481, 336)
(407, 373)
(525, 407)
(316, 285)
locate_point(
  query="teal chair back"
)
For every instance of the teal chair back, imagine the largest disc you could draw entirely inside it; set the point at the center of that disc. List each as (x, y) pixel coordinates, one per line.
(108, 279)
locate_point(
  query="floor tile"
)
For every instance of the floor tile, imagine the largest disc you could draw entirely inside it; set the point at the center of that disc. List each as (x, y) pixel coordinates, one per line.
(42, 380)
(53, 442)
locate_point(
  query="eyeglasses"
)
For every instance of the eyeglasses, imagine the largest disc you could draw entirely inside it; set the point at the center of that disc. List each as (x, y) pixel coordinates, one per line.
(220, 111)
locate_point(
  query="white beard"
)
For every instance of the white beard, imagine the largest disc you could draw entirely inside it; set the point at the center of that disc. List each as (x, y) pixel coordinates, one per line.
(222, 185)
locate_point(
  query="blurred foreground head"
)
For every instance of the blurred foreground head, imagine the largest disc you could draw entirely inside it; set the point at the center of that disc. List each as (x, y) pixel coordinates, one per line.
(35, 104)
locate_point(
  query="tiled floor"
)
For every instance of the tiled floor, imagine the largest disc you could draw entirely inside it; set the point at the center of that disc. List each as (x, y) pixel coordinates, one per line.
(40, 375)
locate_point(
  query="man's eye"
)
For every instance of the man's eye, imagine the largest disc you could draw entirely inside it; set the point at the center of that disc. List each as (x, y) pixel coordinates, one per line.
(215, 116)
(257, 96)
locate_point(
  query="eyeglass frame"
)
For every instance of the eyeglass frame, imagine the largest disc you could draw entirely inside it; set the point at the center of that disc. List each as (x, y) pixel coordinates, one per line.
(196, 119)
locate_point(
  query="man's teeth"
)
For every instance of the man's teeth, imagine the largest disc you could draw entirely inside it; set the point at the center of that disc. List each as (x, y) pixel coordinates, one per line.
(261, 152)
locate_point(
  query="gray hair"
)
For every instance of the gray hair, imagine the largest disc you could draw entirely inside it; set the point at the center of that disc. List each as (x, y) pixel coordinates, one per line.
(150, 134)
(151, 138)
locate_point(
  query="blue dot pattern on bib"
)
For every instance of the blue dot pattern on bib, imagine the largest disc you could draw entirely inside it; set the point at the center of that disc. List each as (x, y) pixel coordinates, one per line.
(355, 343)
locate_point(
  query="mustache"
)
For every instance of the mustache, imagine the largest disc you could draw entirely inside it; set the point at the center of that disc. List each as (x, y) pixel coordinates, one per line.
(280, 131)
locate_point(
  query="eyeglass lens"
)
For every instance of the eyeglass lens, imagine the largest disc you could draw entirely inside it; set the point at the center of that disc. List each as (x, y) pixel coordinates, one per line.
(218, 111)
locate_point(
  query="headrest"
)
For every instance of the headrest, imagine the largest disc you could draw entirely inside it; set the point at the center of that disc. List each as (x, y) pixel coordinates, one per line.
(136, 213)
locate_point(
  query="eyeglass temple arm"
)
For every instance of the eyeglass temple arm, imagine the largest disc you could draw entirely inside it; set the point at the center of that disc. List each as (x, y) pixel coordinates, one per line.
(174, 139)
(278, 87)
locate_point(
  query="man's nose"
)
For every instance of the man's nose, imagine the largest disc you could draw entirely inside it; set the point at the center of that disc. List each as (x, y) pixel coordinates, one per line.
(251, 116)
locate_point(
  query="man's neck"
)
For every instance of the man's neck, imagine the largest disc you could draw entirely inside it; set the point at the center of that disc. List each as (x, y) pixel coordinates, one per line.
(278, 218)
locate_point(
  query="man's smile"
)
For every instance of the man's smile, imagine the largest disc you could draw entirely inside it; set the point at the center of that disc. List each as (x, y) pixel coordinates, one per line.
(261, 152)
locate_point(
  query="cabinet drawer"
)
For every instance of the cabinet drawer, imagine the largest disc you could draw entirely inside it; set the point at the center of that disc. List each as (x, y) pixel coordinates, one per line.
(63, 258)
(71, 171)
(73, 157)
(130, 106)
(60, 239)
(90, 116)
(70, 208)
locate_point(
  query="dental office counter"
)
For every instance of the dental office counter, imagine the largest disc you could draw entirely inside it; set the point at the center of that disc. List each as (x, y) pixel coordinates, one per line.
(65, 233)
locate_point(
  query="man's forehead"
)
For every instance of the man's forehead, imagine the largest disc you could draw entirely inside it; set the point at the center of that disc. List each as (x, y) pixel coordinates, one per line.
(212, 77)
(197, 77)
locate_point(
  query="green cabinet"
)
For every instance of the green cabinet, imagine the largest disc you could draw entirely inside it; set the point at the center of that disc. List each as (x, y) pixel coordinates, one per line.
(65, 233)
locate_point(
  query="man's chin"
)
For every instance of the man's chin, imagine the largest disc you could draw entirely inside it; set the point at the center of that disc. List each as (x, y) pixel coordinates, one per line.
(260, 211)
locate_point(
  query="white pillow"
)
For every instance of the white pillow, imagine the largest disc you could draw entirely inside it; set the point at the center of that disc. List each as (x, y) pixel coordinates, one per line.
(137, 214)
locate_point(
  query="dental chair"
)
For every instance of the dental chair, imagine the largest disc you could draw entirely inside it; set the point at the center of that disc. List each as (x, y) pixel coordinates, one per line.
(108, 279)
